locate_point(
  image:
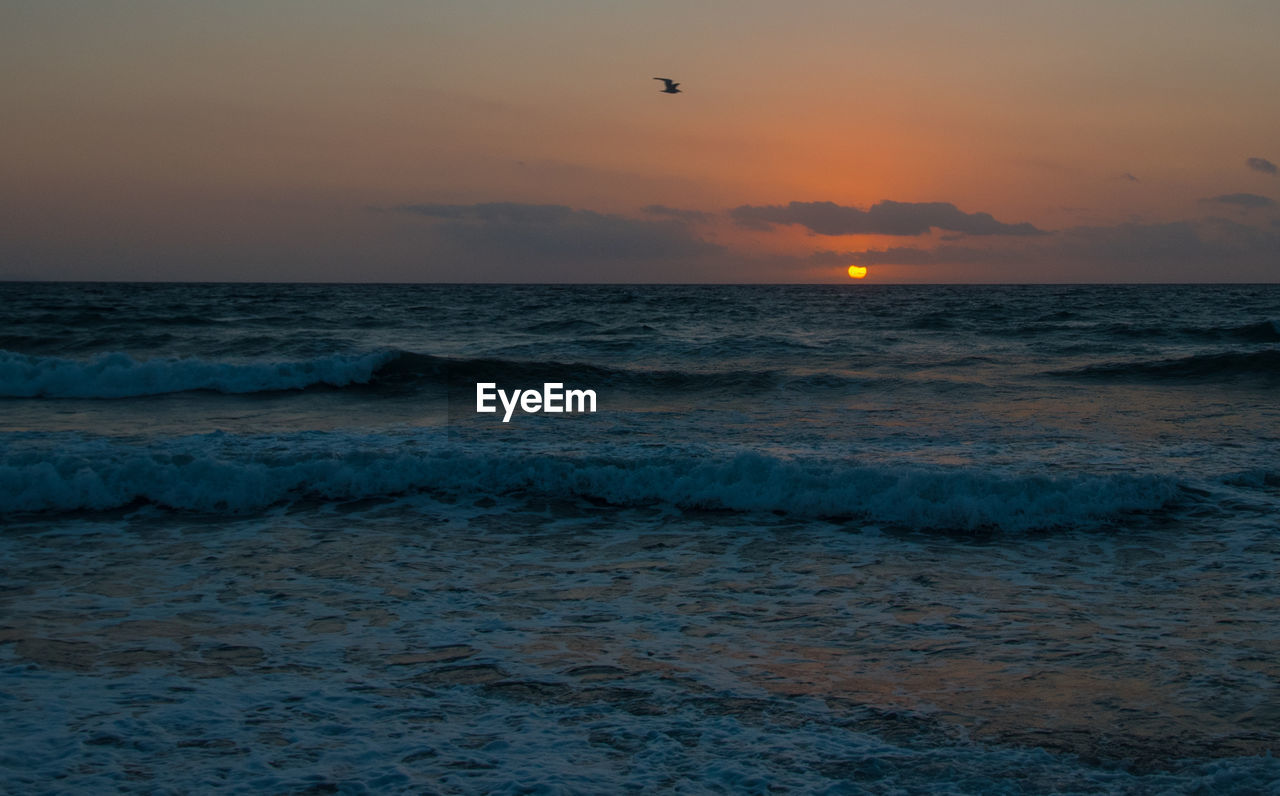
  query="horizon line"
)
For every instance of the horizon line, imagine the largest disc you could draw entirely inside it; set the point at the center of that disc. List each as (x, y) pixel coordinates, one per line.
(850, 283)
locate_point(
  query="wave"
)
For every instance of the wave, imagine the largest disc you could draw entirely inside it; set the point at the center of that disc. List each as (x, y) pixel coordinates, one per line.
(1265, 331)
(465, 372)
(1260, 332)
(1255, 478)
(562, 325)
(227, 473)
(118, 375)
(1222, 366)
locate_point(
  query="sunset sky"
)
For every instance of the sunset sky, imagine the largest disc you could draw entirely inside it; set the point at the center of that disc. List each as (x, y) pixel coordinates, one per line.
(515, 140)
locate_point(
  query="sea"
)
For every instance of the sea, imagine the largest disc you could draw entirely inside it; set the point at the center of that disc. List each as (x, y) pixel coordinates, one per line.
(833, 539)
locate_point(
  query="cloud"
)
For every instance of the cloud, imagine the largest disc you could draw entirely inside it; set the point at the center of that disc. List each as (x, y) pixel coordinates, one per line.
(677, 213)
(1241, 200)
(512, 241)
(1129, 177)
(883, 218)
(1133, 250)
(941, 255)
(1261, 164)
(517, 242)
(1133, 242)
(825, 257)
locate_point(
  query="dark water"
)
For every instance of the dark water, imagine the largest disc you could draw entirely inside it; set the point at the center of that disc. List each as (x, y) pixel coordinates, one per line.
(814, 538)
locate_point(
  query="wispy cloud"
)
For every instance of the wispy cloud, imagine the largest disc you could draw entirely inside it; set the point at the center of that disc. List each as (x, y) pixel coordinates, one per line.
(1248, 200)
(882, 218)
(1261, 164)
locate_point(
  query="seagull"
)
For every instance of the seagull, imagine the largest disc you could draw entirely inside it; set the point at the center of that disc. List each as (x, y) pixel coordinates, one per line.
(671, 85)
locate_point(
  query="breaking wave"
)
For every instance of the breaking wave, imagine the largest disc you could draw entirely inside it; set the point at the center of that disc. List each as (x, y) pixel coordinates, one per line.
(118, 375)
(224, 472)
(1264, 365)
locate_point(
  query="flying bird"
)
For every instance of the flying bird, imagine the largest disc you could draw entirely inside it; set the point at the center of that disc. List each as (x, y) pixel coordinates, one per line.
(671, 85)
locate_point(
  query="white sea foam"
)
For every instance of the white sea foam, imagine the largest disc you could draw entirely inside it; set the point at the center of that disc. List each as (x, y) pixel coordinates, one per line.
(117, 375)
(223, 472)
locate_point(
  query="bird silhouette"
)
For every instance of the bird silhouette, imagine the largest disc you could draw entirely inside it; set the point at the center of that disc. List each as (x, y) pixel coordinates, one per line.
(671, 85)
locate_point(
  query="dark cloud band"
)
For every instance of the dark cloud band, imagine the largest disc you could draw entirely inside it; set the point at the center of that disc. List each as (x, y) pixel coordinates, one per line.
(1241, 200)
(1159, 246)
(882, 218)
(1261, 164)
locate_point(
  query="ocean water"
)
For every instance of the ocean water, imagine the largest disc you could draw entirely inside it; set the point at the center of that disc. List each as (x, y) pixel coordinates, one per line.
(815, 539)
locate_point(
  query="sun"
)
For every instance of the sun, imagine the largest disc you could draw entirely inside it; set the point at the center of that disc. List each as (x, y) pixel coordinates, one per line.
(857, 271)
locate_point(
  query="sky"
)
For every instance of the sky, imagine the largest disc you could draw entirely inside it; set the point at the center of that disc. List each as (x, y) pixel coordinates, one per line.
(934, 141)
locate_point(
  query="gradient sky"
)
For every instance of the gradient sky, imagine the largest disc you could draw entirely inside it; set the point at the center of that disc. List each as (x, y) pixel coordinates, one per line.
(516, 140)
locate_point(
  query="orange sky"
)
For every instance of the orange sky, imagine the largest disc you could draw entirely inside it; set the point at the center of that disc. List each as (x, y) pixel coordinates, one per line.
(283, 140)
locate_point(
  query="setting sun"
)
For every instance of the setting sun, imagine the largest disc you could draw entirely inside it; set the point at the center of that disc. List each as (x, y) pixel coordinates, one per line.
(857, 271)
